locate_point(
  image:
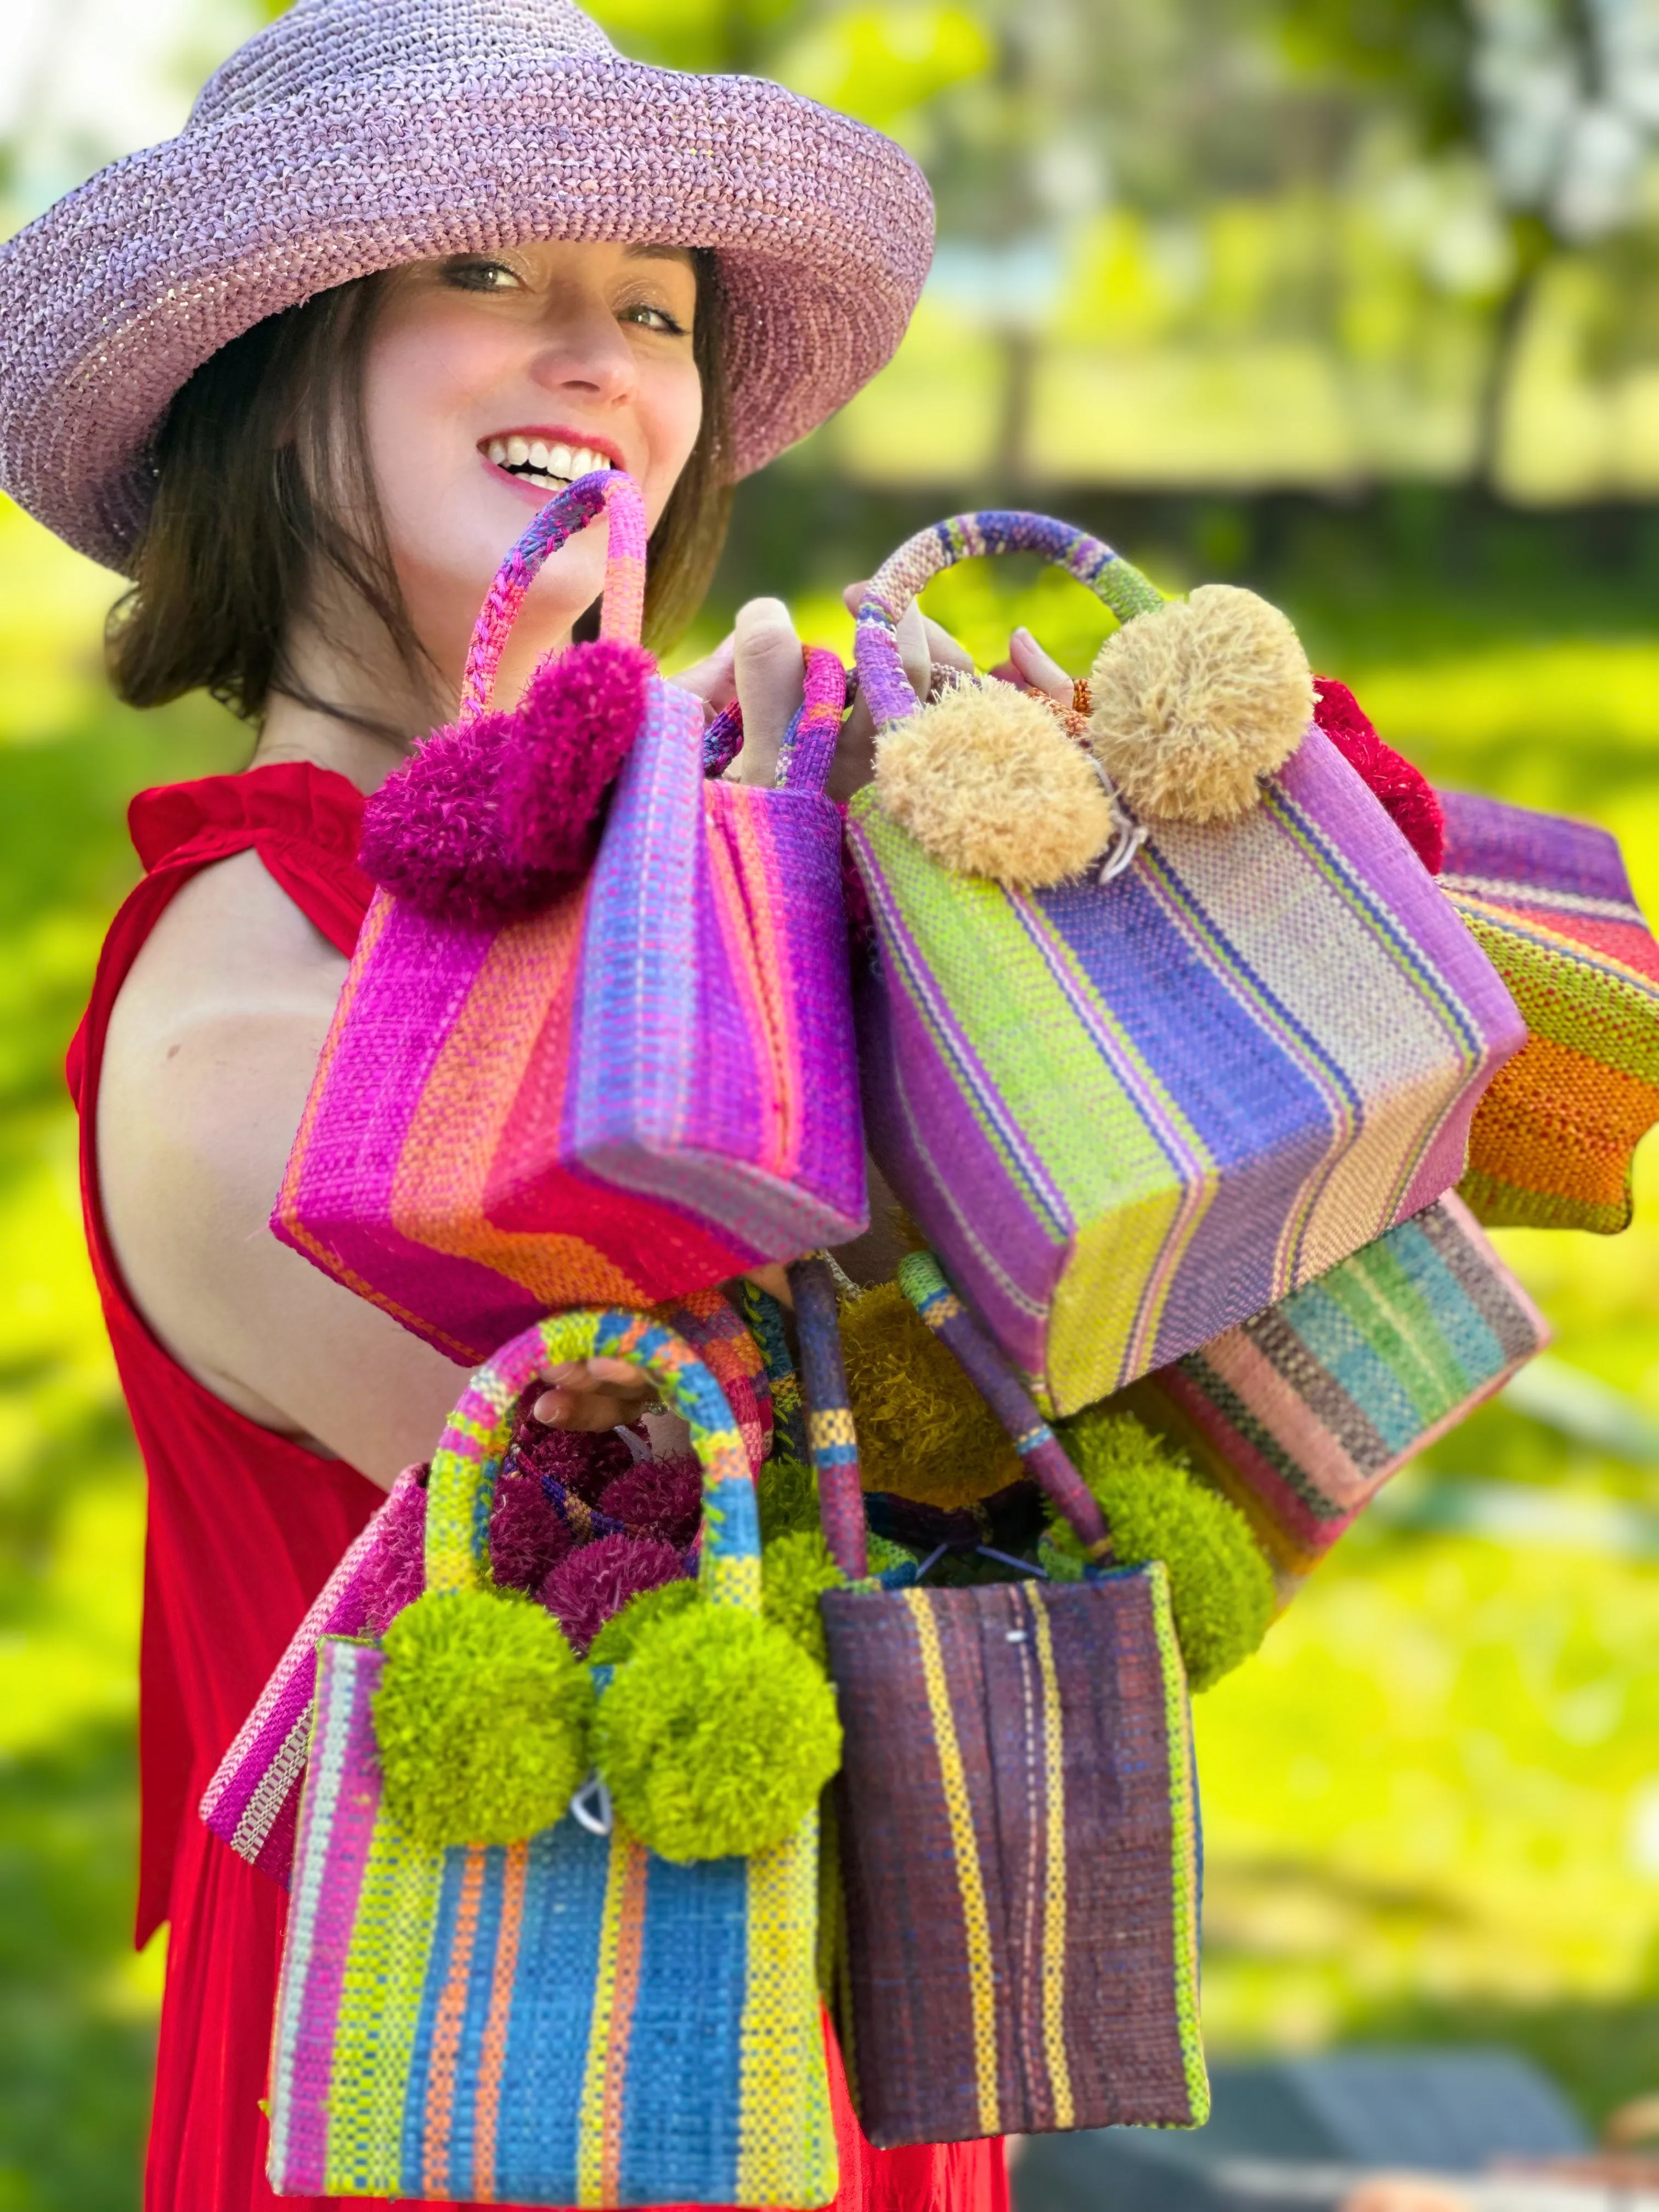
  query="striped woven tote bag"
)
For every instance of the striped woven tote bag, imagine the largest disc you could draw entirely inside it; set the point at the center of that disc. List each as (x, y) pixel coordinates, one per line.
(1548, 900)
(567, 2018)
(1301, 1414)
(1016, 1811)
(1130, 1111)
(253, 1799)
(564, 1072)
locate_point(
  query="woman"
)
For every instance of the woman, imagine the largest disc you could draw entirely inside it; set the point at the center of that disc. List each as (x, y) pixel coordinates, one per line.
(303, 374)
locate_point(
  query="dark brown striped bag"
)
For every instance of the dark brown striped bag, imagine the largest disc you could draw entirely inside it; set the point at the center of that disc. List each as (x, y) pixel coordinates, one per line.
(1017, 1810)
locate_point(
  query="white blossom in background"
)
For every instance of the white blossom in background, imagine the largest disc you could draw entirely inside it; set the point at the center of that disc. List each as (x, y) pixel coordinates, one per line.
(1569, 96)
(83, 82)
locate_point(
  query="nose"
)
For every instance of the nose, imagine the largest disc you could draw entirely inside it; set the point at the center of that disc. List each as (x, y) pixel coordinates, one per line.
(582, 350)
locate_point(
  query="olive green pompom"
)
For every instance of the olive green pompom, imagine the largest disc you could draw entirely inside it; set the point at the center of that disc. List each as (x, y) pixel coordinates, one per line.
(1221, 1587)
(616, 1640)
(482, 1716)
(795, 1571)
(717, 1736)
(787, 1496)
(924, 1432)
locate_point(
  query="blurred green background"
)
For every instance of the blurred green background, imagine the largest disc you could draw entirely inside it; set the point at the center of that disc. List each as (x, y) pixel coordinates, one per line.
(1357, 300)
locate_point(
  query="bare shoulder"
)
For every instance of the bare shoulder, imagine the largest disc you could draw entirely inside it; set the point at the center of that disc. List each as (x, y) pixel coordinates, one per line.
(212, 1045)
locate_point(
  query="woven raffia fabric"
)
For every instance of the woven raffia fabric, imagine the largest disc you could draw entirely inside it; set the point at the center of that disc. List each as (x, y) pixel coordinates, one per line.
(568, 2019)
(252, 1802)
(1548, 900)
(1130, 1115)
(352, 136)
(1301, 1414)
(640, 1091)
(1019, 1858)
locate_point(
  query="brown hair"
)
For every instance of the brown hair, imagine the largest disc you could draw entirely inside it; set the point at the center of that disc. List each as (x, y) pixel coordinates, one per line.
(260, 461)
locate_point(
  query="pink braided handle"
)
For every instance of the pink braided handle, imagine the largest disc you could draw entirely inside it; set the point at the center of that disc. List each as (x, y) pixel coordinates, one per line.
(622, 610)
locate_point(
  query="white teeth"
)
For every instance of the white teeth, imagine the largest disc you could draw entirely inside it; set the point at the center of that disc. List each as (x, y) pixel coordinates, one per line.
(562, 462)
(498, 451)
(537, 455)
(517, 452)
(552, 466)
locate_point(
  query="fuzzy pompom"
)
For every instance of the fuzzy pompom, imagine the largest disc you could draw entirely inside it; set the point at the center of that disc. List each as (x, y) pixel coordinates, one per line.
(794, 1574)
(482, 1717)
(987, 782)
(787, 1493)
(434, 833)
(598, 1579)
(1406, 795)
(1193, 704)
(527, 1539)
(716, 1735)
(584, 1461)
(616, 1640)
(660, 1498)
(924, 1432)
(395, 1571)
(571, 732)
(1221, 1587)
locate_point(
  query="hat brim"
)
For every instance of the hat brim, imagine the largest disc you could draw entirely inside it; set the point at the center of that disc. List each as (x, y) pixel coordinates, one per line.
(114, 297)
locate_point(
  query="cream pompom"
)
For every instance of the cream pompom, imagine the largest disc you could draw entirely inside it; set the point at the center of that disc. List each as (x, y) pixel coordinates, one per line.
(987, 782)
(1192, 704)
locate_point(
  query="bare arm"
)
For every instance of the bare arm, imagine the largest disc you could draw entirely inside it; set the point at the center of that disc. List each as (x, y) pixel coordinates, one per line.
(211, 1049)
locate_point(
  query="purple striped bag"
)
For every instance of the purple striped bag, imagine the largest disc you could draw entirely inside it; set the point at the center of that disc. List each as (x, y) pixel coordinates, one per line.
(1133, 1109)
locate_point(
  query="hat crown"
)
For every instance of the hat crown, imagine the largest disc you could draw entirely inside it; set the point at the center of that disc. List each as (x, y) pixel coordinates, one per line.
(322, 45)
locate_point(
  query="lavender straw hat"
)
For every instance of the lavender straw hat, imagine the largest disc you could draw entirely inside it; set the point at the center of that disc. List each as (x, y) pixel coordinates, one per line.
(353, 135)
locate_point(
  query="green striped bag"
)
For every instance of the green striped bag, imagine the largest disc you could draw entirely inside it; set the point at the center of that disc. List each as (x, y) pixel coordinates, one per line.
(568, 2019)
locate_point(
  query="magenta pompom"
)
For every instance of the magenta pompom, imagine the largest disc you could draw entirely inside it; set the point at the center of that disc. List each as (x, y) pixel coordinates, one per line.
(572, 731)
(591, 1585)
(660, 1498)
(433, 833)
(396, 1567)
(527, 1537)
(1405, 792)
(583, 1463)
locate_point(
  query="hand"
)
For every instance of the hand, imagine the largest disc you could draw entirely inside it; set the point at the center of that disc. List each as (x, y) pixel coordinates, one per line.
(759, 664)
(590, 1395)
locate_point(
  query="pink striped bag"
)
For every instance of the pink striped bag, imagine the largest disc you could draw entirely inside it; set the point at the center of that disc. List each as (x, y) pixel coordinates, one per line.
(570, 1070)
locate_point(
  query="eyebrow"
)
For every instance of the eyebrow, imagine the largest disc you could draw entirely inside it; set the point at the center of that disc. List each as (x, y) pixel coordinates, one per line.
(645, 252)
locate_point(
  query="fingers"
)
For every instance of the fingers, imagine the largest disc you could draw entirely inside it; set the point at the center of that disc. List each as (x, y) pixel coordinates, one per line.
(923, 644)
(1039, 669)
(588, 1395)
(713, 677)
(774, 1277)
(769, 680)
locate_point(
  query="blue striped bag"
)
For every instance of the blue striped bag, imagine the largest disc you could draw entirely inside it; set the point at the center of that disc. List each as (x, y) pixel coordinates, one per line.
(568, 2019)
(1134, 1107)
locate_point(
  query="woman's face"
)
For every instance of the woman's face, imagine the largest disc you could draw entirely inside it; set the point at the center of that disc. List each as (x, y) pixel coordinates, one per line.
(493, 380)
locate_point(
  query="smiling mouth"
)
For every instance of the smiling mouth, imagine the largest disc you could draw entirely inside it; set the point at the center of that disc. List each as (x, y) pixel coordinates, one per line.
(548, 466)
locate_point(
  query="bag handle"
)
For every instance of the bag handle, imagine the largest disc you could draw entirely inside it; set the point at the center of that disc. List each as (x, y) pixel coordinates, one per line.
(808, 751)
(895, 584)
(622, 610)
(922, 1281)
(461, 1489)
(831, 1439)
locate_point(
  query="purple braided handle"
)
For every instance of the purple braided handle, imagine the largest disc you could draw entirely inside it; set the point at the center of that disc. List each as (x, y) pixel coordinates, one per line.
(919, 559)
(808, 751)
(622, 611)
(830, 1438)
(923, 1283)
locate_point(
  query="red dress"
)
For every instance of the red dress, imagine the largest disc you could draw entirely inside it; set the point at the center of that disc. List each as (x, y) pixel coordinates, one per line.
(244, 1530)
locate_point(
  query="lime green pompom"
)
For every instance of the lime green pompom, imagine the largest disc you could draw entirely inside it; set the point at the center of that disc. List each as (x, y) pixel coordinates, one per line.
(787, 1494)
(1221, 1587)
(483, 1718)
(717, 1736)
(795, 1571)
(616, 1640)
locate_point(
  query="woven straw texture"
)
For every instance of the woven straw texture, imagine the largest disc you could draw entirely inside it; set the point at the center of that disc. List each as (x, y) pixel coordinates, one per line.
(647, 1087)
(1548, 900)
(1303, 1413)
(252, 1802)
(1130, 1114)
(1020, 1859)
(358, 135)
(569, 2020)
